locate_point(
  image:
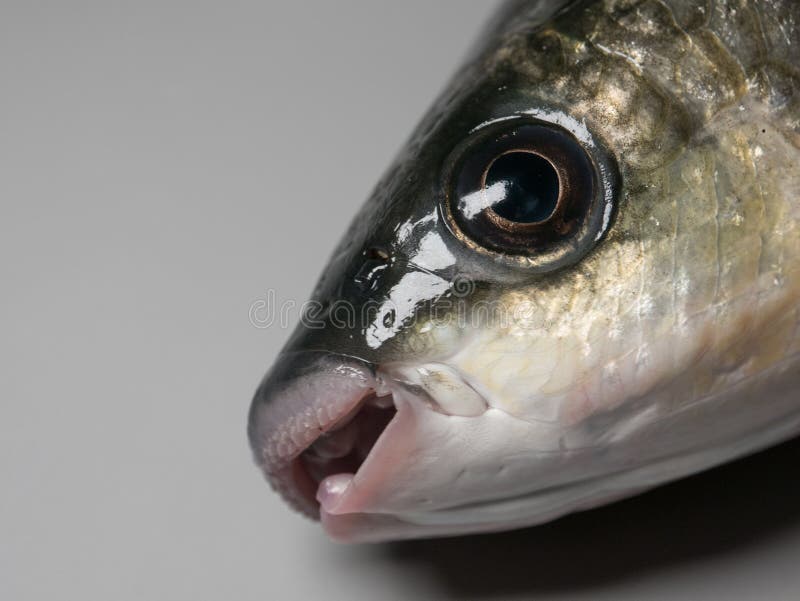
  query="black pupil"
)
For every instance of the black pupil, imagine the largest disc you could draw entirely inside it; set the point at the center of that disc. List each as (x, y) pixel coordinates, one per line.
(525, 186)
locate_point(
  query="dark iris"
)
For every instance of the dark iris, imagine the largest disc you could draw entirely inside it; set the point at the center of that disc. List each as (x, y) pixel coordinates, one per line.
(529, 187)
(529, 193)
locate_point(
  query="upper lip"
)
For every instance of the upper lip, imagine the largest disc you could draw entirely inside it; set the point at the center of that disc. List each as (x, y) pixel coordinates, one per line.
(288, 415)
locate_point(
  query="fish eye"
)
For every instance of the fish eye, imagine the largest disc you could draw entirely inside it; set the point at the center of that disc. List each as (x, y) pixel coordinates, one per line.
(529, 193)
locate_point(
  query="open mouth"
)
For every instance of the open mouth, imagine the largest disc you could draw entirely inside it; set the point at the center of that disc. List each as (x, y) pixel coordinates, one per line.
(312, 436)
(334, 458)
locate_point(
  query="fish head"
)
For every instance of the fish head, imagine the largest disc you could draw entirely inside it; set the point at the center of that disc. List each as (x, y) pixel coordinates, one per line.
(569, 287)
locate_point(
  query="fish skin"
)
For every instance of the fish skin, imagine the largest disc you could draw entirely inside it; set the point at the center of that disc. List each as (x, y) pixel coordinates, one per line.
(674, 345)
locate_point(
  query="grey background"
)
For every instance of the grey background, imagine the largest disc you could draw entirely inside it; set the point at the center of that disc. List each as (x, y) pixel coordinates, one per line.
(164, 164)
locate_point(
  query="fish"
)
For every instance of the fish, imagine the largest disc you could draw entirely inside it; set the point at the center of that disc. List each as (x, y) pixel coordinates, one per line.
(578, 280)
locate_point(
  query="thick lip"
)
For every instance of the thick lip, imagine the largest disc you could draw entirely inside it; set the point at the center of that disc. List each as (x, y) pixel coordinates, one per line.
(288, 416)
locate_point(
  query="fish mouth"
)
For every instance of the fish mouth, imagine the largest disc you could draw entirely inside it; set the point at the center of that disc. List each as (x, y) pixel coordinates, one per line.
(375, 458)
(324, 436)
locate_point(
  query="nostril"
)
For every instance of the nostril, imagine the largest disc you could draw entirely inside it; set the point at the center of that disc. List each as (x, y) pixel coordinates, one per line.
(377, 253)
(376, 260)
